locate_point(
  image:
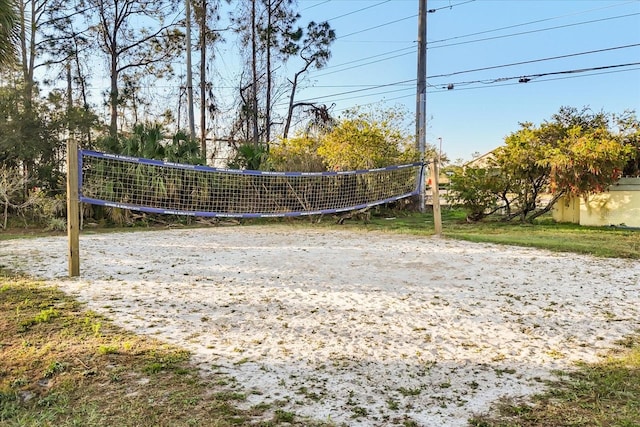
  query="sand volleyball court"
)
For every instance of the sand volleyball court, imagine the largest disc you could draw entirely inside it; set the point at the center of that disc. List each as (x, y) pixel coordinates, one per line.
(360, 328)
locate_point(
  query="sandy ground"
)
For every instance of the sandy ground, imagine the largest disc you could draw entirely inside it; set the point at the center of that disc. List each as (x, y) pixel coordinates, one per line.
(362, 329)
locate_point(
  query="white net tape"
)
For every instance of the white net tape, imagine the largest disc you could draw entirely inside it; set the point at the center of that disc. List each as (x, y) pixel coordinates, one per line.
(160, 187)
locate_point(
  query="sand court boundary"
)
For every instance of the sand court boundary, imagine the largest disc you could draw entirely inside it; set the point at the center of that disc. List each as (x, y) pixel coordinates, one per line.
(361, 328)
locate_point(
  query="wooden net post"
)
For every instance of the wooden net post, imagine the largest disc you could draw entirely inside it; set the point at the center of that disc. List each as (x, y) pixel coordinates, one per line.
(73, 207)
(435, 193)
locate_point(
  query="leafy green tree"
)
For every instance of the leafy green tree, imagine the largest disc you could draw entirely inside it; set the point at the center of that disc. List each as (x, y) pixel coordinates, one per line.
(577, 153)
(359, 140)
(34, 123)
(629, 133)
(520, 164)
(299, 153)
(28, 130)
(7, 31)
(30, 138)
(588, 163)
(363, 140)
(479, 191)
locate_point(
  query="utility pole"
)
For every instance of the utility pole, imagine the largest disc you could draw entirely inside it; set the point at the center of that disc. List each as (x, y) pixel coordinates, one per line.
(192, 126)
(421, 120)
(421, 95)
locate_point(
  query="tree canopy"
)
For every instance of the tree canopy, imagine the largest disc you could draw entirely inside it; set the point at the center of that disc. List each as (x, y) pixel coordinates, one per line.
(104, 72)
(358, 140)
(577, 152)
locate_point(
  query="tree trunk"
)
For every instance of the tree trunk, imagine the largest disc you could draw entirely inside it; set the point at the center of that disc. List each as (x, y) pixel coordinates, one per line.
(112, 44)
(27, 47)
(113, 126)
(267, 118)
(69, 97)
(294, 86)
(547, 208)
(83, 94)
(29, 83)
(192, 125)
(254, 70)
(203, 80)
(6, 214)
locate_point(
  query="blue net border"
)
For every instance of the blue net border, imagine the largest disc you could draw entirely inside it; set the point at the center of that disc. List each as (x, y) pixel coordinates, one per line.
(146, 209)
(138, 208)
(232, 171)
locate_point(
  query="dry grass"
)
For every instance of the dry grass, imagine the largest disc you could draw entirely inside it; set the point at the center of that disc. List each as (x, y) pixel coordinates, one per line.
(61, 365)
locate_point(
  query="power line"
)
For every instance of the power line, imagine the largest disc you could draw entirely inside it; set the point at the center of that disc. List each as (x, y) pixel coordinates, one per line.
(378, 41)
(532, 31)
(528, 23)
(315, 5)
(346, 86)
(322, 73)
(451, 6)
(395, 21)
(521, 79)
(495, 29)
(536, 81)
(534, 60)
(363, 96)
(529, 77)
(359, 10)
(412, 95)
(412, 48)
(486, 81)
(367, 63)
(378, 26)
(363, 90)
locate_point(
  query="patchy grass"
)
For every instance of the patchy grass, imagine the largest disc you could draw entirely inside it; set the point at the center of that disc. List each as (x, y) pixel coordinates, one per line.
(602, 394)
(61, 365)
(19, 233)
(544, 234)
(605, 242)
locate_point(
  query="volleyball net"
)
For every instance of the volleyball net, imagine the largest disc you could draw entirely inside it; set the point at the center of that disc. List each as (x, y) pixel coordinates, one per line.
(170, 188)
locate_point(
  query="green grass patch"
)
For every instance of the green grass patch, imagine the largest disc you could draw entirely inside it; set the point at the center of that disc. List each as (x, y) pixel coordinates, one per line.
(601, 394)
(607, 242)
(598, 241)
(62, 365)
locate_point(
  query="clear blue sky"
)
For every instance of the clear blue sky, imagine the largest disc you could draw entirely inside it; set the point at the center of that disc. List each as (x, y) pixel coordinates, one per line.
(376, 45)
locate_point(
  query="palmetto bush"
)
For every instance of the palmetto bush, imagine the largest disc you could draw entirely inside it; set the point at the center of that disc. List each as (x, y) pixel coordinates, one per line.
(147, 141)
